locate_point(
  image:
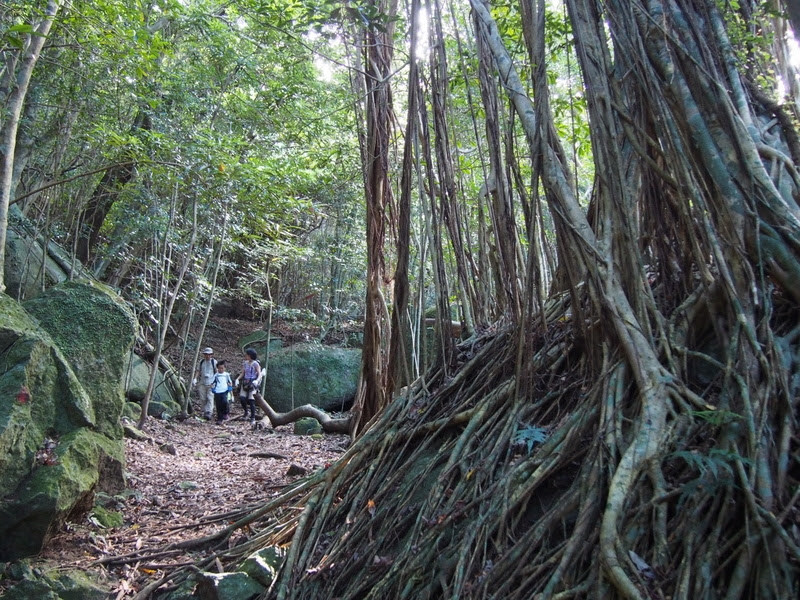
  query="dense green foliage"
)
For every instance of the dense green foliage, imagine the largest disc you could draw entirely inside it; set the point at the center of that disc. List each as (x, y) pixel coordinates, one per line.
(139, 110)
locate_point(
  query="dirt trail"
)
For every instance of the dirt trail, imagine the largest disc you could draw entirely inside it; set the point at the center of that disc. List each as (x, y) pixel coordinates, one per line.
(178, 480)
(184, 475)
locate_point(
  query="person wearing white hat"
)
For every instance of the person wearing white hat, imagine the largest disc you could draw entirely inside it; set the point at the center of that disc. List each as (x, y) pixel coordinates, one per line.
(204, 379)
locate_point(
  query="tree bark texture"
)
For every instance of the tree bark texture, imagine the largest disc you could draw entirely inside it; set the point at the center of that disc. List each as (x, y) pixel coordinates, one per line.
(378, 51)
(17, 89)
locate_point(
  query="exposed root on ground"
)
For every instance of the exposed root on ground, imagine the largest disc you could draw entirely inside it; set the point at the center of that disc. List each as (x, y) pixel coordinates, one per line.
(497, 485)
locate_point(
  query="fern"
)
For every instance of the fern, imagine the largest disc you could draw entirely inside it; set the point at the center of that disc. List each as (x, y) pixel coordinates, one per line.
(716, 417)
(706, 464)
(529, 435)
(715, 470)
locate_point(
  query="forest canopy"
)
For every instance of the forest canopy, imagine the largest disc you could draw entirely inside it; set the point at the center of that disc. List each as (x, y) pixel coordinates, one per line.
(602, 194)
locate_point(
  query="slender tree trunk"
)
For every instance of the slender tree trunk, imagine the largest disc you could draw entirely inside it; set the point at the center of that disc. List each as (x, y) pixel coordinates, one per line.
(446, 172)
(378, 51)
(10, 124)
(399, 364)
(500, 209)
(92, 217)
(209, 304)
(443, 347)
(169, 297)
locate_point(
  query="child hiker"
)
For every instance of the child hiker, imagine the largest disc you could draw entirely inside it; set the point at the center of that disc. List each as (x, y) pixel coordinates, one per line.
(222, 386)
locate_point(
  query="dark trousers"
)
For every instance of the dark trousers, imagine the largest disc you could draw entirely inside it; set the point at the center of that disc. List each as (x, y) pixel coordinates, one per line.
(221, 401)
(249, 405)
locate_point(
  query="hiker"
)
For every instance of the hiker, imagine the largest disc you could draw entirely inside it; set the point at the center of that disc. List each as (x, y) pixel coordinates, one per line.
(203, 378)
(221, 387)
(248, 382)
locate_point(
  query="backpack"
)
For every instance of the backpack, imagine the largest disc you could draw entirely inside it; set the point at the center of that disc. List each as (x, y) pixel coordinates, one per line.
(213, 364)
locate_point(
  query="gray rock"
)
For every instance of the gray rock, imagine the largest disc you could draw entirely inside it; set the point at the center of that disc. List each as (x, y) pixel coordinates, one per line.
(258, 341)
(323, 376)
(296, 471)
(263, 565)
(184, 591)
(55, 585)
(166, 396)
(27, 266)
(228, 586)
(28, 590)
(169, 449)
(133, 433)
(132, 410)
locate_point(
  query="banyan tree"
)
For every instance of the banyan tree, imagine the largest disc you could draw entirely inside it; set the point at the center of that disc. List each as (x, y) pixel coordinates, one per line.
(621, 420)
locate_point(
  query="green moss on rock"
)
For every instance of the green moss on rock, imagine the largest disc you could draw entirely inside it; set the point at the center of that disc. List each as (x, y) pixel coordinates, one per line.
(323, 376)
(307, 426)
(263, 565)
(57, 585)
(60, 436)
(131, 410)
(95, 331)
(136, 378)
(64, 484)
(107, 518)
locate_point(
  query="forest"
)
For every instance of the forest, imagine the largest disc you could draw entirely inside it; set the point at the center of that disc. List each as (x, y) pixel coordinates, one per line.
(594, 206)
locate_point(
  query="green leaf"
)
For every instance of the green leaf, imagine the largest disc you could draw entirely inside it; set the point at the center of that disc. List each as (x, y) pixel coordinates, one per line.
(529, 435)
(21, 28)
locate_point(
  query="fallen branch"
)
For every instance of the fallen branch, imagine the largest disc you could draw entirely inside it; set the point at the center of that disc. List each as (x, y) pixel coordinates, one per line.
(267, 455)
(328, 423)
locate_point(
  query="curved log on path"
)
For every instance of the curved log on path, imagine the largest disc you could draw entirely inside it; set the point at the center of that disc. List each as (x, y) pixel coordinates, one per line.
(328, 423)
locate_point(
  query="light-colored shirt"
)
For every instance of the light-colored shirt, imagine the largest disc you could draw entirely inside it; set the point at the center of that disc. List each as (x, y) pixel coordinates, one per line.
(222, 382)
(251, 369)
(207, 369)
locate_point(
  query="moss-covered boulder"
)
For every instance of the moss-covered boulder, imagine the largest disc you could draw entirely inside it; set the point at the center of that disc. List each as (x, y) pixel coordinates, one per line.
(258, 340)
(57, 585)
(323, 376)
(81, 463)
(166, 396)
(60, 384)
(95, 330)
(27, 266)
(263, 565)
(132, 411)
(41, 396)
(228, 586)
(307, 426)
(32, 263)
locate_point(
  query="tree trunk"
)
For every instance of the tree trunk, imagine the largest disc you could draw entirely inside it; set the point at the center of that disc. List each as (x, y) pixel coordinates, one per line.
(400, 353)
(371, 398)
(207, 310)
(93, 215)
(168, 298)
(10, 124)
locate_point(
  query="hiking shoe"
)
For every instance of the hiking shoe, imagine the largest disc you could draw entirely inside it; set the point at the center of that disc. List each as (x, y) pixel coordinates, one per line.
(207, 417)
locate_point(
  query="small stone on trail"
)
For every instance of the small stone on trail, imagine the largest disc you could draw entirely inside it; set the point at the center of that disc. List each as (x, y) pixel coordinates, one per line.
(169, 449)
(135, 434)
(296, 470)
